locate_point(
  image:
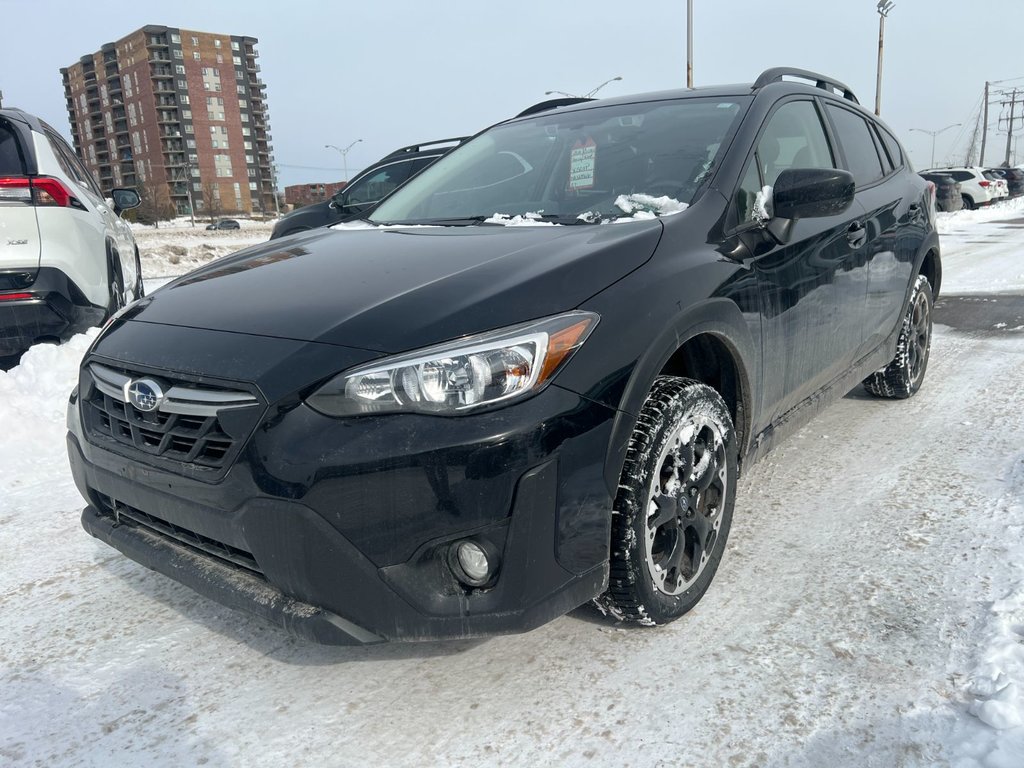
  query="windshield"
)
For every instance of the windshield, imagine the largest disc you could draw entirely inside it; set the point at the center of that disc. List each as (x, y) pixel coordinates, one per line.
(584, 166)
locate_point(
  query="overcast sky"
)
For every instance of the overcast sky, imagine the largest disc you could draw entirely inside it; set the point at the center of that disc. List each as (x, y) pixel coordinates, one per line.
(395, 72)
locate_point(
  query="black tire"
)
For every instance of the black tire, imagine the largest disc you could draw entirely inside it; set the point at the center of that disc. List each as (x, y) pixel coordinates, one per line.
(140, 288)
(672, 514)
(116, 283)
(903, 376)
(968, 203)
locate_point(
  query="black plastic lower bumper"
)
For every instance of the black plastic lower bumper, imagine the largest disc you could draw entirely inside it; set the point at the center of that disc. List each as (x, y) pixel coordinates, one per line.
(315, 563)
(230, 586)
(55, 310)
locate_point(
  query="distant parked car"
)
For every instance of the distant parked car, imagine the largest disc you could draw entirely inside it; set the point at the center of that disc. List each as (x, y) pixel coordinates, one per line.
(1014, 179)
(947, 191)
(366, 189)
(975, 188)
(224, 224)
(999, 182)
(67, 260)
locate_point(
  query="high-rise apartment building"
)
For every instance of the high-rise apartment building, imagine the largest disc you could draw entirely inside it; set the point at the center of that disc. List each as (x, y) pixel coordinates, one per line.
(181, 115)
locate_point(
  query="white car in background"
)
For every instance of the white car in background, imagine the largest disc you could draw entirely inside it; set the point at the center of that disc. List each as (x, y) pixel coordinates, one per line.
(1002, 188)
(976, 188)
(67, 259)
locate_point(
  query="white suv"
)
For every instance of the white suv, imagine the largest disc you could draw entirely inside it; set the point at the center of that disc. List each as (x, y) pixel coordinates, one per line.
(975, 187)
(67, 260)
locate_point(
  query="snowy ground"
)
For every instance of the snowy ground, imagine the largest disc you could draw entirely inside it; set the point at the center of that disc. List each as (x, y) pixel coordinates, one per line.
(174, 249)
(871, 600)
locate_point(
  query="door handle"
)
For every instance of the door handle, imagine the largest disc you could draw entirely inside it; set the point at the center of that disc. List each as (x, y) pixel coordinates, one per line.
(856, 235)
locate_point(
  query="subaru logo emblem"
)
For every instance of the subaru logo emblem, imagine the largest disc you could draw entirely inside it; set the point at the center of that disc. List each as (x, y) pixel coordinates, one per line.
(144, 394)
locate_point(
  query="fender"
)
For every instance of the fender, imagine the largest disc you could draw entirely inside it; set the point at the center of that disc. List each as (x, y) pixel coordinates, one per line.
(718, 317)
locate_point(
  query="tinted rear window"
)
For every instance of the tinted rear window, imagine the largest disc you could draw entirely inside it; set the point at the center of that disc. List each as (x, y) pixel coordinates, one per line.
(861, 155)
(892, 146)
(12, 162)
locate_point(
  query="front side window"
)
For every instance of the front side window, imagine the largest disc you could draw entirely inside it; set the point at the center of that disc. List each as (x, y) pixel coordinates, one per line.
(376, 185)
(576, 166)
(858, 146)
(793, 138)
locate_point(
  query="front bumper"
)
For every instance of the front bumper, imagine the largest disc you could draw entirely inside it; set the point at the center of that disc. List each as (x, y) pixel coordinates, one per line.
(338, 530)
(56, 310)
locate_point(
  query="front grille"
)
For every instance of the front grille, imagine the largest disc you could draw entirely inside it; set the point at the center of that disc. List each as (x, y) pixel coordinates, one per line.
(126, 515)
(196, 426)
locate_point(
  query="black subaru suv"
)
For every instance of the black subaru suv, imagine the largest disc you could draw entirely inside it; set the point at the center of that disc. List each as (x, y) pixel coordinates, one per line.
(527, 379)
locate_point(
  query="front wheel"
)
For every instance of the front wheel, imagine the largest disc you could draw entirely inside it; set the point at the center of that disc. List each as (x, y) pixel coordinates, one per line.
(673, 511)
(140, 288)
(903, 376)
(116, 283)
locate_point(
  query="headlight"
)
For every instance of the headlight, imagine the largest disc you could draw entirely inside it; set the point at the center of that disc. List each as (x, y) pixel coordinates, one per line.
(460, 375)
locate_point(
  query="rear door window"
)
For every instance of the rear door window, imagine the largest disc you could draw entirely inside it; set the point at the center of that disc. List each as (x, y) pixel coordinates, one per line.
(70, 163)
(858, 146)
(892, 146)
(12, 159)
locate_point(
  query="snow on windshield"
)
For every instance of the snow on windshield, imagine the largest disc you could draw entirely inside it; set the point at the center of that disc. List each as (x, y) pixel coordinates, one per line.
(638, 207)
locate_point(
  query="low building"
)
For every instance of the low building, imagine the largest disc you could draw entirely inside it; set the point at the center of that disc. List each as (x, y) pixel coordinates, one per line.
(304, 194)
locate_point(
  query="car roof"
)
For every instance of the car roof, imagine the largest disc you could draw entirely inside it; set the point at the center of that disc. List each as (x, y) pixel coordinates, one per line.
(13, 113)
(774, 79)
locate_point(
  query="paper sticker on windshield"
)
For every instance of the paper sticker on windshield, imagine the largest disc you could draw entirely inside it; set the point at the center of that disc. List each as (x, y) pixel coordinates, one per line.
(581, 164)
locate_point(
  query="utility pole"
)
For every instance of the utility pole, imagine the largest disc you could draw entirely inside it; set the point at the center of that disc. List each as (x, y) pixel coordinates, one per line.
(884, 6)
(689, 43)
(984, 126)
(1009, 126)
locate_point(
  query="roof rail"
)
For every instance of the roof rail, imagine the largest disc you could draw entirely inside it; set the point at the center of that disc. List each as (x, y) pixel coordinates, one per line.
(544, 106)
(775, 75)
(421, 145)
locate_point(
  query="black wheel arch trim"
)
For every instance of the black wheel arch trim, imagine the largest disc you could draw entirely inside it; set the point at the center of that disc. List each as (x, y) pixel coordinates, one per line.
(717, 317)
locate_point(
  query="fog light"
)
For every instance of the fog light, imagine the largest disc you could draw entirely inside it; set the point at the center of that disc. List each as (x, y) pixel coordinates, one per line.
(474, 562)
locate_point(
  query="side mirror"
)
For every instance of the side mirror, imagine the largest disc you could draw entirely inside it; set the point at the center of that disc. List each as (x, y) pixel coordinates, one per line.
(807, 193)
(338, 200)
(125, 199)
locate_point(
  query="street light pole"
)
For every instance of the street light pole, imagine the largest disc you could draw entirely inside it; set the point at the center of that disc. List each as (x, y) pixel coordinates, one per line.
(689, 43)
(884, 6)
(344, 156)
(933, 134)
(588, 95)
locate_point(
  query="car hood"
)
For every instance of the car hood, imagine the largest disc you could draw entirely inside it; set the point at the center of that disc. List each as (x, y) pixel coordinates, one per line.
(394, 289)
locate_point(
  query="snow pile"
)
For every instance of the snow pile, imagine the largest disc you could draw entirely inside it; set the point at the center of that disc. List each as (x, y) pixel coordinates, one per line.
(175, 250)
(951, 222)
(996, 683)
(529, 219)
(33, 404)
(639, 207)
(996, 686)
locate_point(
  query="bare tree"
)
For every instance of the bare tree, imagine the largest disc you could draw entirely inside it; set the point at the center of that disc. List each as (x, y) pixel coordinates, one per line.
(212, 200)
(156, 203)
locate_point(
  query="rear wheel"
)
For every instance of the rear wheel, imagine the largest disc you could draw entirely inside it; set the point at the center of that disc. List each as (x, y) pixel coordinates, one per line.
(903, 376)
(673, 511)
(968, 203)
